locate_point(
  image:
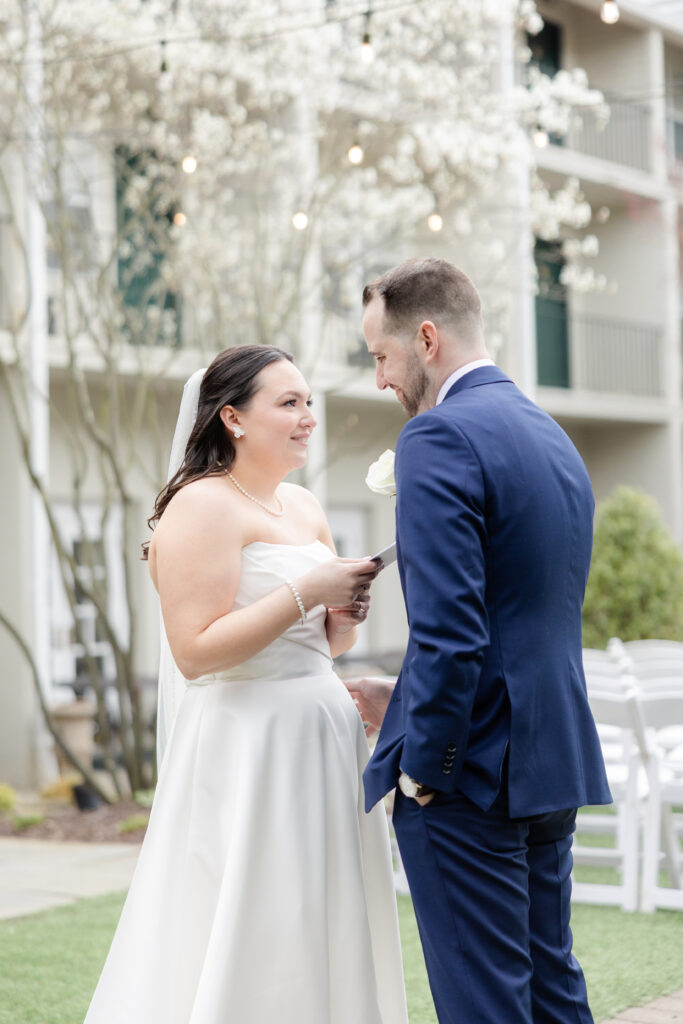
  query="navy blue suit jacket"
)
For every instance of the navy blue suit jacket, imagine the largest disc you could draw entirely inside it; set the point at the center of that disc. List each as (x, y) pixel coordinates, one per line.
(494, 527)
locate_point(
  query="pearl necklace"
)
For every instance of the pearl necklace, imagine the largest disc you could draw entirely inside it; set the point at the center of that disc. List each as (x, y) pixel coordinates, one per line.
(256, 501)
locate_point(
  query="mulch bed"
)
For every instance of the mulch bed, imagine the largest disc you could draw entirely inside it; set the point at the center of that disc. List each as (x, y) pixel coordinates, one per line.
(67, 823)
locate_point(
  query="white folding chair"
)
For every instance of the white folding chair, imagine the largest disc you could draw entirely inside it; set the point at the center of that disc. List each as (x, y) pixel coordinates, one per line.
(661, 711)
(626, 752)
(657, 666)
(649, 650)
(606, 672)
(599, 662)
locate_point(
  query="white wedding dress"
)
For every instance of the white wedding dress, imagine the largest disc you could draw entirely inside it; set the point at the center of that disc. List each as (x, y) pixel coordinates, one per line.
(263, 893)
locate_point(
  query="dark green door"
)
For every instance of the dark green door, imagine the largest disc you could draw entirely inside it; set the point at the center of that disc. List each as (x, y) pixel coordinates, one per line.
(546, 48)
(552, 328)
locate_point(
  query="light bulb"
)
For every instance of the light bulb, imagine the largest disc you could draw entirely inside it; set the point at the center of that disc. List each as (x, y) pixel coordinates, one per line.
(367, 50)
(179, 219)
(189, 164)
(609, 12)
(356, 154)
(300, 220)
(540, 138)
(434, 222)
(165, 80)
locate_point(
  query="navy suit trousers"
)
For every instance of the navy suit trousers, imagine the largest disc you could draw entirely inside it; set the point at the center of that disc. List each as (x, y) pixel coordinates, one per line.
(492, 901)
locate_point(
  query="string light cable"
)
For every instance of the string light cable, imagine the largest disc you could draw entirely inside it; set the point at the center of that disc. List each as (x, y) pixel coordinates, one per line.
(168, 40)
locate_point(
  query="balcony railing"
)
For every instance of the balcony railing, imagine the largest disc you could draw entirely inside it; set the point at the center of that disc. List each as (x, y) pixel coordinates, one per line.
(626, 138)
(605, 355)
(343, 343)
(675, 137)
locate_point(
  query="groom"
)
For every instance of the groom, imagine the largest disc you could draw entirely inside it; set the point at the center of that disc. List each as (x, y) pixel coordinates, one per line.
(488, 733)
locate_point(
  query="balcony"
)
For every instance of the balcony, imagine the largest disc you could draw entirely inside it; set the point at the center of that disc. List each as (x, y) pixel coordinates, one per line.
(597, 354)
(626, 138)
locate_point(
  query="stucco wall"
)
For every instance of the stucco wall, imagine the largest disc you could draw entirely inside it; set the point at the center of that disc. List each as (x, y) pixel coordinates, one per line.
(18, 704)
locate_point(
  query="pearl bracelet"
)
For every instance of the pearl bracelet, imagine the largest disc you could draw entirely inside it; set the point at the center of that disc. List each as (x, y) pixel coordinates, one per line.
(297, 597)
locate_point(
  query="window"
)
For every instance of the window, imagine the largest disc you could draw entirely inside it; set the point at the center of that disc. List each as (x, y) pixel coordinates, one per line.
(144, 227)
(96, 546)
(78, 231)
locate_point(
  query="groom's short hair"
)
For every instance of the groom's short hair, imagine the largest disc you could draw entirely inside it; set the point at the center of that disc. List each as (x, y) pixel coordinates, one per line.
(427, 289)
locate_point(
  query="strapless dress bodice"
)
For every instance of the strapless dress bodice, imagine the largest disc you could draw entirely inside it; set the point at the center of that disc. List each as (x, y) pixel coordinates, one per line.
(302, 649)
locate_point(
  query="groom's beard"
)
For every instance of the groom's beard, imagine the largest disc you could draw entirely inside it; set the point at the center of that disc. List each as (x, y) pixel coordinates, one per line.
(415, 389)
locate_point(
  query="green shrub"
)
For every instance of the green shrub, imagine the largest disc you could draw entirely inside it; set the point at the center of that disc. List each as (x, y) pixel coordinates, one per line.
(144, 797)
(22, 821)
(635, 588)
(8, 798)
(134, 823)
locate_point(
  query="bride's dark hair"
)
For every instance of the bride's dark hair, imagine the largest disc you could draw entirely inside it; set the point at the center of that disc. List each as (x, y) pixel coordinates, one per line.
(231, 379)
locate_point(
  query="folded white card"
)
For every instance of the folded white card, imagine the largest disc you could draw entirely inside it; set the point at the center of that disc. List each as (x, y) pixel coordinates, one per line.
(387, 555)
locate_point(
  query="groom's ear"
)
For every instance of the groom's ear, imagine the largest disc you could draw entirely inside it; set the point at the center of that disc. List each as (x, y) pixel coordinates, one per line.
(428, 339)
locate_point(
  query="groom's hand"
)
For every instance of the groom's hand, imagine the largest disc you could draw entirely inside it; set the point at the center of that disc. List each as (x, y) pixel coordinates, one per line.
(371, 695)
(426, 799)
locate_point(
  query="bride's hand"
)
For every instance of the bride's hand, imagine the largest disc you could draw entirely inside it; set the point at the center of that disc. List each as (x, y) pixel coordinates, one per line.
(342, 620)
(372, 696)
(340, 583)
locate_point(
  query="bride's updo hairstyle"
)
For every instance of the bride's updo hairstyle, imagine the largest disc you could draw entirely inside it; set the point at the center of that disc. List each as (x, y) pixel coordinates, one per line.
(231, 379)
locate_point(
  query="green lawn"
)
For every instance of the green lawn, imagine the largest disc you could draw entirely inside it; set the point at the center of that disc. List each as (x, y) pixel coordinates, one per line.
(49, 962)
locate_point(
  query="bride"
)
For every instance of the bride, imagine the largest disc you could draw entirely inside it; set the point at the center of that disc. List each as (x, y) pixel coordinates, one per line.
(263, 892)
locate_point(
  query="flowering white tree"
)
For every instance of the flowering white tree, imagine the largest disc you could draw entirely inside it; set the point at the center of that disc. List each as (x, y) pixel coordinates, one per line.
(214, 172)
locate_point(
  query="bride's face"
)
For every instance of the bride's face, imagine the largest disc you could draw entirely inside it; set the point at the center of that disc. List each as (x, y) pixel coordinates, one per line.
(278, 421)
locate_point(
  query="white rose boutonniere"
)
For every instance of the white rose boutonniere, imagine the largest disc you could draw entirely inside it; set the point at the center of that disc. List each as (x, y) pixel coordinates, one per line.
(380, 478)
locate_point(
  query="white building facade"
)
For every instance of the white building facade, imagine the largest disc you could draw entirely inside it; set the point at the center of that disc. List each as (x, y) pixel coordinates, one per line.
(604, 360)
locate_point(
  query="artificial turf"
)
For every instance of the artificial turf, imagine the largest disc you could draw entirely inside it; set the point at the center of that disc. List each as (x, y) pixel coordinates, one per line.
(49, 962)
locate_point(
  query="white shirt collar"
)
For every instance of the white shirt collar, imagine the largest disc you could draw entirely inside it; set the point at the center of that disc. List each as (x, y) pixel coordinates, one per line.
(457, 374)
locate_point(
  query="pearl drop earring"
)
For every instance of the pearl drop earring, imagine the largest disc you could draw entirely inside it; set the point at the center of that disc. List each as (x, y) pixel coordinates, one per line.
(238, 432)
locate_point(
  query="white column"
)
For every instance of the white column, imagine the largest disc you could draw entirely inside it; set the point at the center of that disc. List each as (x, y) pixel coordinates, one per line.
(311, 301)
(657, 104)
(315, 474)
(522, 362)
(671, 360)
(671, 314)
(38, 370)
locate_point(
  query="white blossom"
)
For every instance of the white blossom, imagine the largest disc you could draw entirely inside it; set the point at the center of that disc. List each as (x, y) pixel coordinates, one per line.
(269, 113)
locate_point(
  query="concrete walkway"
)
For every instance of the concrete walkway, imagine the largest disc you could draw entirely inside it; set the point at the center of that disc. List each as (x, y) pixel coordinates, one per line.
(36, 874)
(665, 1010)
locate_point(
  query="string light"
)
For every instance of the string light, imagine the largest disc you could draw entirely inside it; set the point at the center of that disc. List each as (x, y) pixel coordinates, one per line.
(165, 82)
(541, 139)
(189, 164)
(434, 222)
(300, 220)
(179, 219)
(609, 12)
(356, 154)
(367, 51)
